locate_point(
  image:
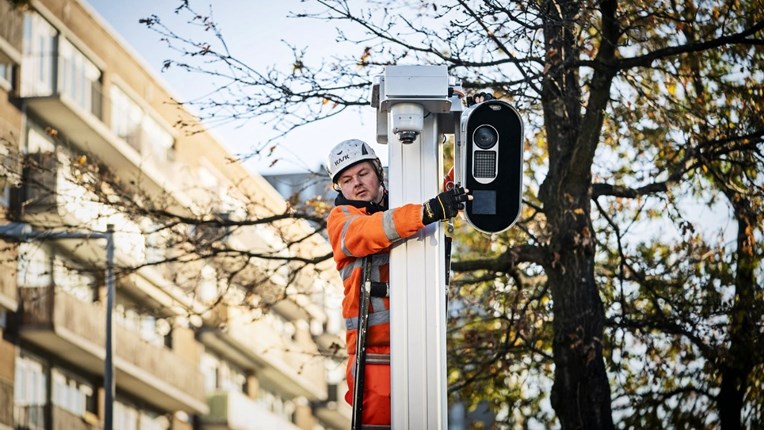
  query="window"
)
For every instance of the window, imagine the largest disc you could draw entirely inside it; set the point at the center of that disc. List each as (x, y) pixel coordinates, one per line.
(79, 78)
(231, 378)
(125, 416)
(71, 394)
(207, 291)
(126, 117)
(220, 374)
(40, 267)
(73, 279)
(207, 179)
(35, 265)
(330, 299)
(10, 167)
(208, 364)
(38, 142)
(153, 421)
(132, 417)
(139, 129)
(5, 196)
(157, 238)
(156, 140)
(38, 56)
(51, 64)
(276, 404)
(281, 325)
(150, 328)
(30, 394)
(6, 76)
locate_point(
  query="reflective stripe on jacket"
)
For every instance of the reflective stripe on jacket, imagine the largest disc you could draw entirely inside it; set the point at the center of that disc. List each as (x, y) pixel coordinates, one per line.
(354, 233)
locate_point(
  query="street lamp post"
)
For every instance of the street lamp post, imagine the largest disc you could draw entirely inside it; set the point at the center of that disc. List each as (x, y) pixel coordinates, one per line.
(109, 381)
(23, 232)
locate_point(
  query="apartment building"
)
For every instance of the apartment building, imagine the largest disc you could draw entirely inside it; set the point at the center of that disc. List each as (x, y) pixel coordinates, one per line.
(213, 325)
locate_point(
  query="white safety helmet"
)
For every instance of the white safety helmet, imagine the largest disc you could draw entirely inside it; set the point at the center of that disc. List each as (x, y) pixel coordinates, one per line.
(346, 154)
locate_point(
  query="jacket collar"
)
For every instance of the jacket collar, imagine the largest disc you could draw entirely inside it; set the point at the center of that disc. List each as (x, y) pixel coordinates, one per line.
(370, 207)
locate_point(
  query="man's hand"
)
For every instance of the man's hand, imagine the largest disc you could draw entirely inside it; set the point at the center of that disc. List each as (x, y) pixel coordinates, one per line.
(445, 205)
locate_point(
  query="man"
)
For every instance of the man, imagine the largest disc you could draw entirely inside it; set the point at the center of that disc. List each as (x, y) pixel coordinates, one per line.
(361, 225)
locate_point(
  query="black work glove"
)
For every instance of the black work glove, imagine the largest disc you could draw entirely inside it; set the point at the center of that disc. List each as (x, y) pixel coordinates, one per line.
(479, 98)
(444, 206)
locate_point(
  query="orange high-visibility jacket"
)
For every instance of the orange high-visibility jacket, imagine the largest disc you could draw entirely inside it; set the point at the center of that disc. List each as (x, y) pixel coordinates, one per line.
(354, 233)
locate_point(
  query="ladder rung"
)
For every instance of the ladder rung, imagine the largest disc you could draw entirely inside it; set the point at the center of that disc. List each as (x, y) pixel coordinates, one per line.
(378, 358)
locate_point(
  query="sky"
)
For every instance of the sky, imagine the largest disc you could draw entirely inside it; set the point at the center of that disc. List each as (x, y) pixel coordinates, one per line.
(254, 30)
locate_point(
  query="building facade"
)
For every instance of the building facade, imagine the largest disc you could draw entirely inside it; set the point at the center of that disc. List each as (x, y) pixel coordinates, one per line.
(216, 324)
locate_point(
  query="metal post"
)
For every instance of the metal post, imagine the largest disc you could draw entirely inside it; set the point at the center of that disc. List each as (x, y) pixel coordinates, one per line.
(410, 100)
(109, 383)
(418, 296)
(413, 103)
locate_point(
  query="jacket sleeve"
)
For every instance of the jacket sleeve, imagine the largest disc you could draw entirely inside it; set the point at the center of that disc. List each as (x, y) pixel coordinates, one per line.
(355, 234)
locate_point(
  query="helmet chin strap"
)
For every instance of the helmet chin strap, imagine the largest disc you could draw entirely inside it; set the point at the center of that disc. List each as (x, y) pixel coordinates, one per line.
(382, 194)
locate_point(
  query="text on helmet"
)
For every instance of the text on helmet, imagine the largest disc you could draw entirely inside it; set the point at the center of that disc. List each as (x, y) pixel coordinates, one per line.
(341, 159)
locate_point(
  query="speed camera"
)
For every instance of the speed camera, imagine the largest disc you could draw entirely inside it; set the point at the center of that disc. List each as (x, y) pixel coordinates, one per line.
(490, 154)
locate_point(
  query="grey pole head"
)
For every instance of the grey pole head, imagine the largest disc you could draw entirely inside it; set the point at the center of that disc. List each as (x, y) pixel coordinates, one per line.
(16, 231)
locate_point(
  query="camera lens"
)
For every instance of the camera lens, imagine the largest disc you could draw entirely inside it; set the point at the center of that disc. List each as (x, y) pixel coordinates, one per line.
(485, 136)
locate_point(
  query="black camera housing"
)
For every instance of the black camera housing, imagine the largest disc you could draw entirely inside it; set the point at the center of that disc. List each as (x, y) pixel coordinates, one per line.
(490, 157)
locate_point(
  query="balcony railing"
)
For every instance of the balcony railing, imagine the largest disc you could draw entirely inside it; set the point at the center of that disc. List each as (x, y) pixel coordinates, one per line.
(33, 417)
(75, 330)
(291, 367)
(63, 419)
(234, 410)
(57, 75)
(40, 179)
(29, 417)
(75, 111)
(335, 411)
(6, 402)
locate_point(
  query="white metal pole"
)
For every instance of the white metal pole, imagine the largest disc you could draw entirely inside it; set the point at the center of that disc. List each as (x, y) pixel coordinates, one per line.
(418, 292)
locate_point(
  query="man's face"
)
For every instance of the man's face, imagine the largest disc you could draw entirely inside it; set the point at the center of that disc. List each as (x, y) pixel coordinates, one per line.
(359, 182)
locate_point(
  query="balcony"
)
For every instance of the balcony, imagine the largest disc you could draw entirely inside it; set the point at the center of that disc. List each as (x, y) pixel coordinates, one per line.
(41, 180)
(63, 419)
(33, 417)
(77, 115)
(6, 402)
(74, 330)
(232, 410)
(335, 412)
(292, 368)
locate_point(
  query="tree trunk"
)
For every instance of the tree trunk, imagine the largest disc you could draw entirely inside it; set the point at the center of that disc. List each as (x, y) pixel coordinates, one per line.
(581, 395)
(746, 344)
